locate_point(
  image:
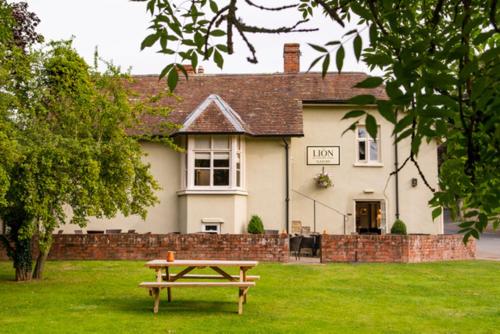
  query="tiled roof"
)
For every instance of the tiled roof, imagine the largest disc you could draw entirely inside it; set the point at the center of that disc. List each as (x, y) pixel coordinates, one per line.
(266, 104)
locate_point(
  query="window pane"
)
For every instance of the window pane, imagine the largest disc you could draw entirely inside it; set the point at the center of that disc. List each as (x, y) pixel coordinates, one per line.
(202, 160)
(221, 142)
(202, 142)
(202, 177)
(361, 132)
(373, 151)
(211, 228)
(221, 159)
(221, 177)
(238, 178)
(361, 150)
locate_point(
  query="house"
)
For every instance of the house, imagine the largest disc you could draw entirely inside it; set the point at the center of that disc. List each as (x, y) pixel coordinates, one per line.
(256, 144)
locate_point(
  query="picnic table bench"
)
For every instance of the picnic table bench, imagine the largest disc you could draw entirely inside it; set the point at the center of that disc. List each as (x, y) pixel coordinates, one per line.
(169, 280)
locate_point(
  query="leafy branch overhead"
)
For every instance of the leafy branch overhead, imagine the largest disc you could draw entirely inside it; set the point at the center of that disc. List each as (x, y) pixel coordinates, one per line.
(440, 63)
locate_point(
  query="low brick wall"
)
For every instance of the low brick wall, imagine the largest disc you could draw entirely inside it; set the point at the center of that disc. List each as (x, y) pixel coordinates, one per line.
(186, 246)
(275, 248)
(394, 248)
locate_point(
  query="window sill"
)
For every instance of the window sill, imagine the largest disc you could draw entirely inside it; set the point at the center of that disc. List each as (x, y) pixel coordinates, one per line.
(212, 192)
(368, 164)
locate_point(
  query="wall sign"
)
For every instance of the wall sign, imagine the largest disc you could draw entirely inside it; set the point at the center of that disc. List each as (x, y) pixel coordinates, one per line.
(323, 155)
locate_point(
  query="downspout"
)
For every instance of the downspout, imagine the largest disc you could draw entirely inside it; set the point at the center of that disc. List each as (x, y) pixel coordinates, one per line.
(396, 165)
(287, 184)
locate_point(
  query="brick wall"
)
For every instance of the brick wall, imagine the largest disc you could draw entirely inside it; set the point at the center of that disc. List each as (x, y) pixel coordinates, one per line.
(393, 248)
(186, 246)
(334, 248)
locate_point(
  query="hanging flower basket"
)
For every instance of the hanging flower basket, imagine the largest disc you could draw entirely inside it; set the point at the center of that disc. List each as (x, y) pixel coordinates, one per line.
(323, 180)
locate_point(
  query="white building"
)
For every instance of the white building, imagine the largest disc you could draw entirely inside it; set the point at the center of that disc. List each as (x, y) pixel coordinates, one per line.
(255, 144)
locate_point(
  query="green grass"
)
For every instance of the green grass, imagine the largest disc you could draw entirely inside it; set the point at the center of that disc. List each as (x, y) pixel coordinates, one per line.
(103, 297)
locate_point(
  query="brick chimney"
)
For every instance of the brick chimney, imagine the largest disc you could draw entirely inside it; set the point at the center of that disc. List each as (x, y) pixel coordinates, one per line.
(291, 57)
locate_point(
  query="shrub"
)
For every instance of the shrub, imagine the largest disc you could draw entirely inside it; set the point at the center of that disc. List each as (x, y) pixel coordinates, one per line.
(398, 227)
(255, 225)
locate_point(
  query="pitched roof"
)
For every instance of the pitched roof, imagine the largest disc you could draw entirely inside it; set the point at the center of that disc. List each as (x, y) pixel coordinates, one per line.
(260, 104)
(213, 115)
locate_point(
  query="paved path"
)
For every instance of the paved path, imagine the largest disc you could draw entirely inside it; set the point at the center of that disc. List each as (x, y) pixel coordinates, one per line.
(488, 246)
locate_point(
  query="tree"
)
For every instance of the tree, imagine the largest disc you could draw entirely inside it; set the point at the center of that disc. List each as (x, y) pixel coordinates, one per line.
(71, 154)
(441, 68)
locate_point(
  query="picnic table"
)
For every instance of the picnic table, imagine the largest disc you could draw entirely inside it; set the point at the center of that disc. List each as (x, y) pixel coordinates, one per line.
(168, 280)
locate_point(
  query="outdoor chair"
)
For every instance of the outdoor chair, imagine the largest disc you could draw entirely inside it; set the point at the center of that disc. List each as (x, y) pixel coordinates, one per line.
(95, 232)
(307, 243)
(116, 231)
(295, 246)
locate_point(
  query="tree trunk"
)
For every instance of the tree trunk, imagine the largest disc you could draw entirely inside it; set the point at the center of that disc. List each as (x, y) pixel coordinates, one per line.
(40, 264)
(23, 260)
(44, 244)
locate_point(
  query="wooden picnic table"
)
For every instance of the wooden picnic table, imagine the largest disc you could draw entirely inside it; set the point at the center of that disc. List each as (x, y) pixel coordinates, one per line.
(168, 280)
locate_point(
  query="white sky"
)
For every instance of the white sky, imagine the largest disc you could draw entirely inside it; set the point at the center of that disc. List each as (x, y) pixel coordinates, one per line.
(118, 27)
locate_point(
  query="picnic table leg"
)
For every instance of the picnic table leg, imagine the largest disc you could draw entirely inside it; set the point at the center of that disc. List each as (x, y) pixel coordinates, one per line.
(169, 290)
(156, 293)
(243, 278)
(240, 301)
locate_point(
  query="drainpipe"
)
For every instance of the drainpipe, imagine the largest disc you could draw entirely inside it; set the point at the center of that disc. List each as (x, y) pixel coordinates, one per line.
(396, 165)
(287, 184)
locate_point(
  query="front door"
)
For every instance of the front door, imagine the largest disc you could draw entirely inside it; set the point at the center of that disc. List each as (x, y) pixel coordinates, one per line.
(368, 217)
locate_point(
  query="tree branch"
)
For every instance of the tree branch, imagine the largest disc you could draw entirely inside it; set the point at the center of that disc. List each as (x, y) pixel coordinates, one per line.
(332, 12)
(493, 11)
(271, 8)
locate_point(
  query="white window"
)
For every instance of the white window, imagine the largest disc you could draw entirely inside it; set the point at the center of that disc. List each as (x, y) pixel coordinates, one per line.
(214, 162)
(367, 148)
(211, 228)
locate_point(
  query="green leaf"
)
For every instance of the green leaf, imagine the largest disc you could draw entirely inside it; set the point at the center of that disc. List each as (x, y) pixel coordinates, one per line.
(217, 33)
(165, 71)
(350, 32)
(370, 82)
(371, 125)
(354, 113)
(351, 127)
(385, 109)
(326, 64)
(357, 45)
(340, 58)
(436, 213)
(218, 59)
(362, 99)
(315, 61)
(172, 79)
(214, 7)
(373, 34)
(318, 48)
(149, 40)
(332, 43)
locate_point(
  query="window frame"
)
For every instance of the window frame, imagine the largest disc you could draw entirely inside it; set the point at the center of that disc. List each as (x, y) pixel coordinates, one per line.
(367, 140)
(233, 150)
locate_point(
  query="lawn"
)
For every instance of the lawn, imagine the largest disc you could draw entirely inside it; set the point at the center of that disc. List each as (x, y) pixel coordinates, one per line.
(103, 297)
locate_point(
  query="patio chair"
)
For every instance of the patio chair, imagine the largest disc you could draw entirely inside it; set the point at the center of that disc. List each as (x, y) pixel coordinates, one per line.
(295, 246)
(307, 243)
(114, 231)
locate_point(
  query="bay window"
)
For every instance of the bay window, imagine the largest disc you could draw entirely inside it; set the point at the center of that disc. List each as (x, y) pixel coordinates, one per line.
(214, 162)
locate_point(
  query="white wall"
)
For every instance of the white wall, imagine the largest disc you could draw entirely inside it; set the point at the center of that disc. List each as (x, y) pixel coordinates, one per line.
(323, 126)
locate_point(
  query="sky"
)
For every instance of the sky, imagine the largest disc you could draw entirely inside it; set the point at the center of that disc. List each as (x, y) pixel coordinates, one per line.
(117, 28)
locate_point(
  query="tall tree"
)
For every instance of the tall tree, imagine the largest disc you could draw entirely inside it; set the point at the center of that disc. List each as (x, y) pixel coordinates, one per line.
(441, 68)
(72, 157)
